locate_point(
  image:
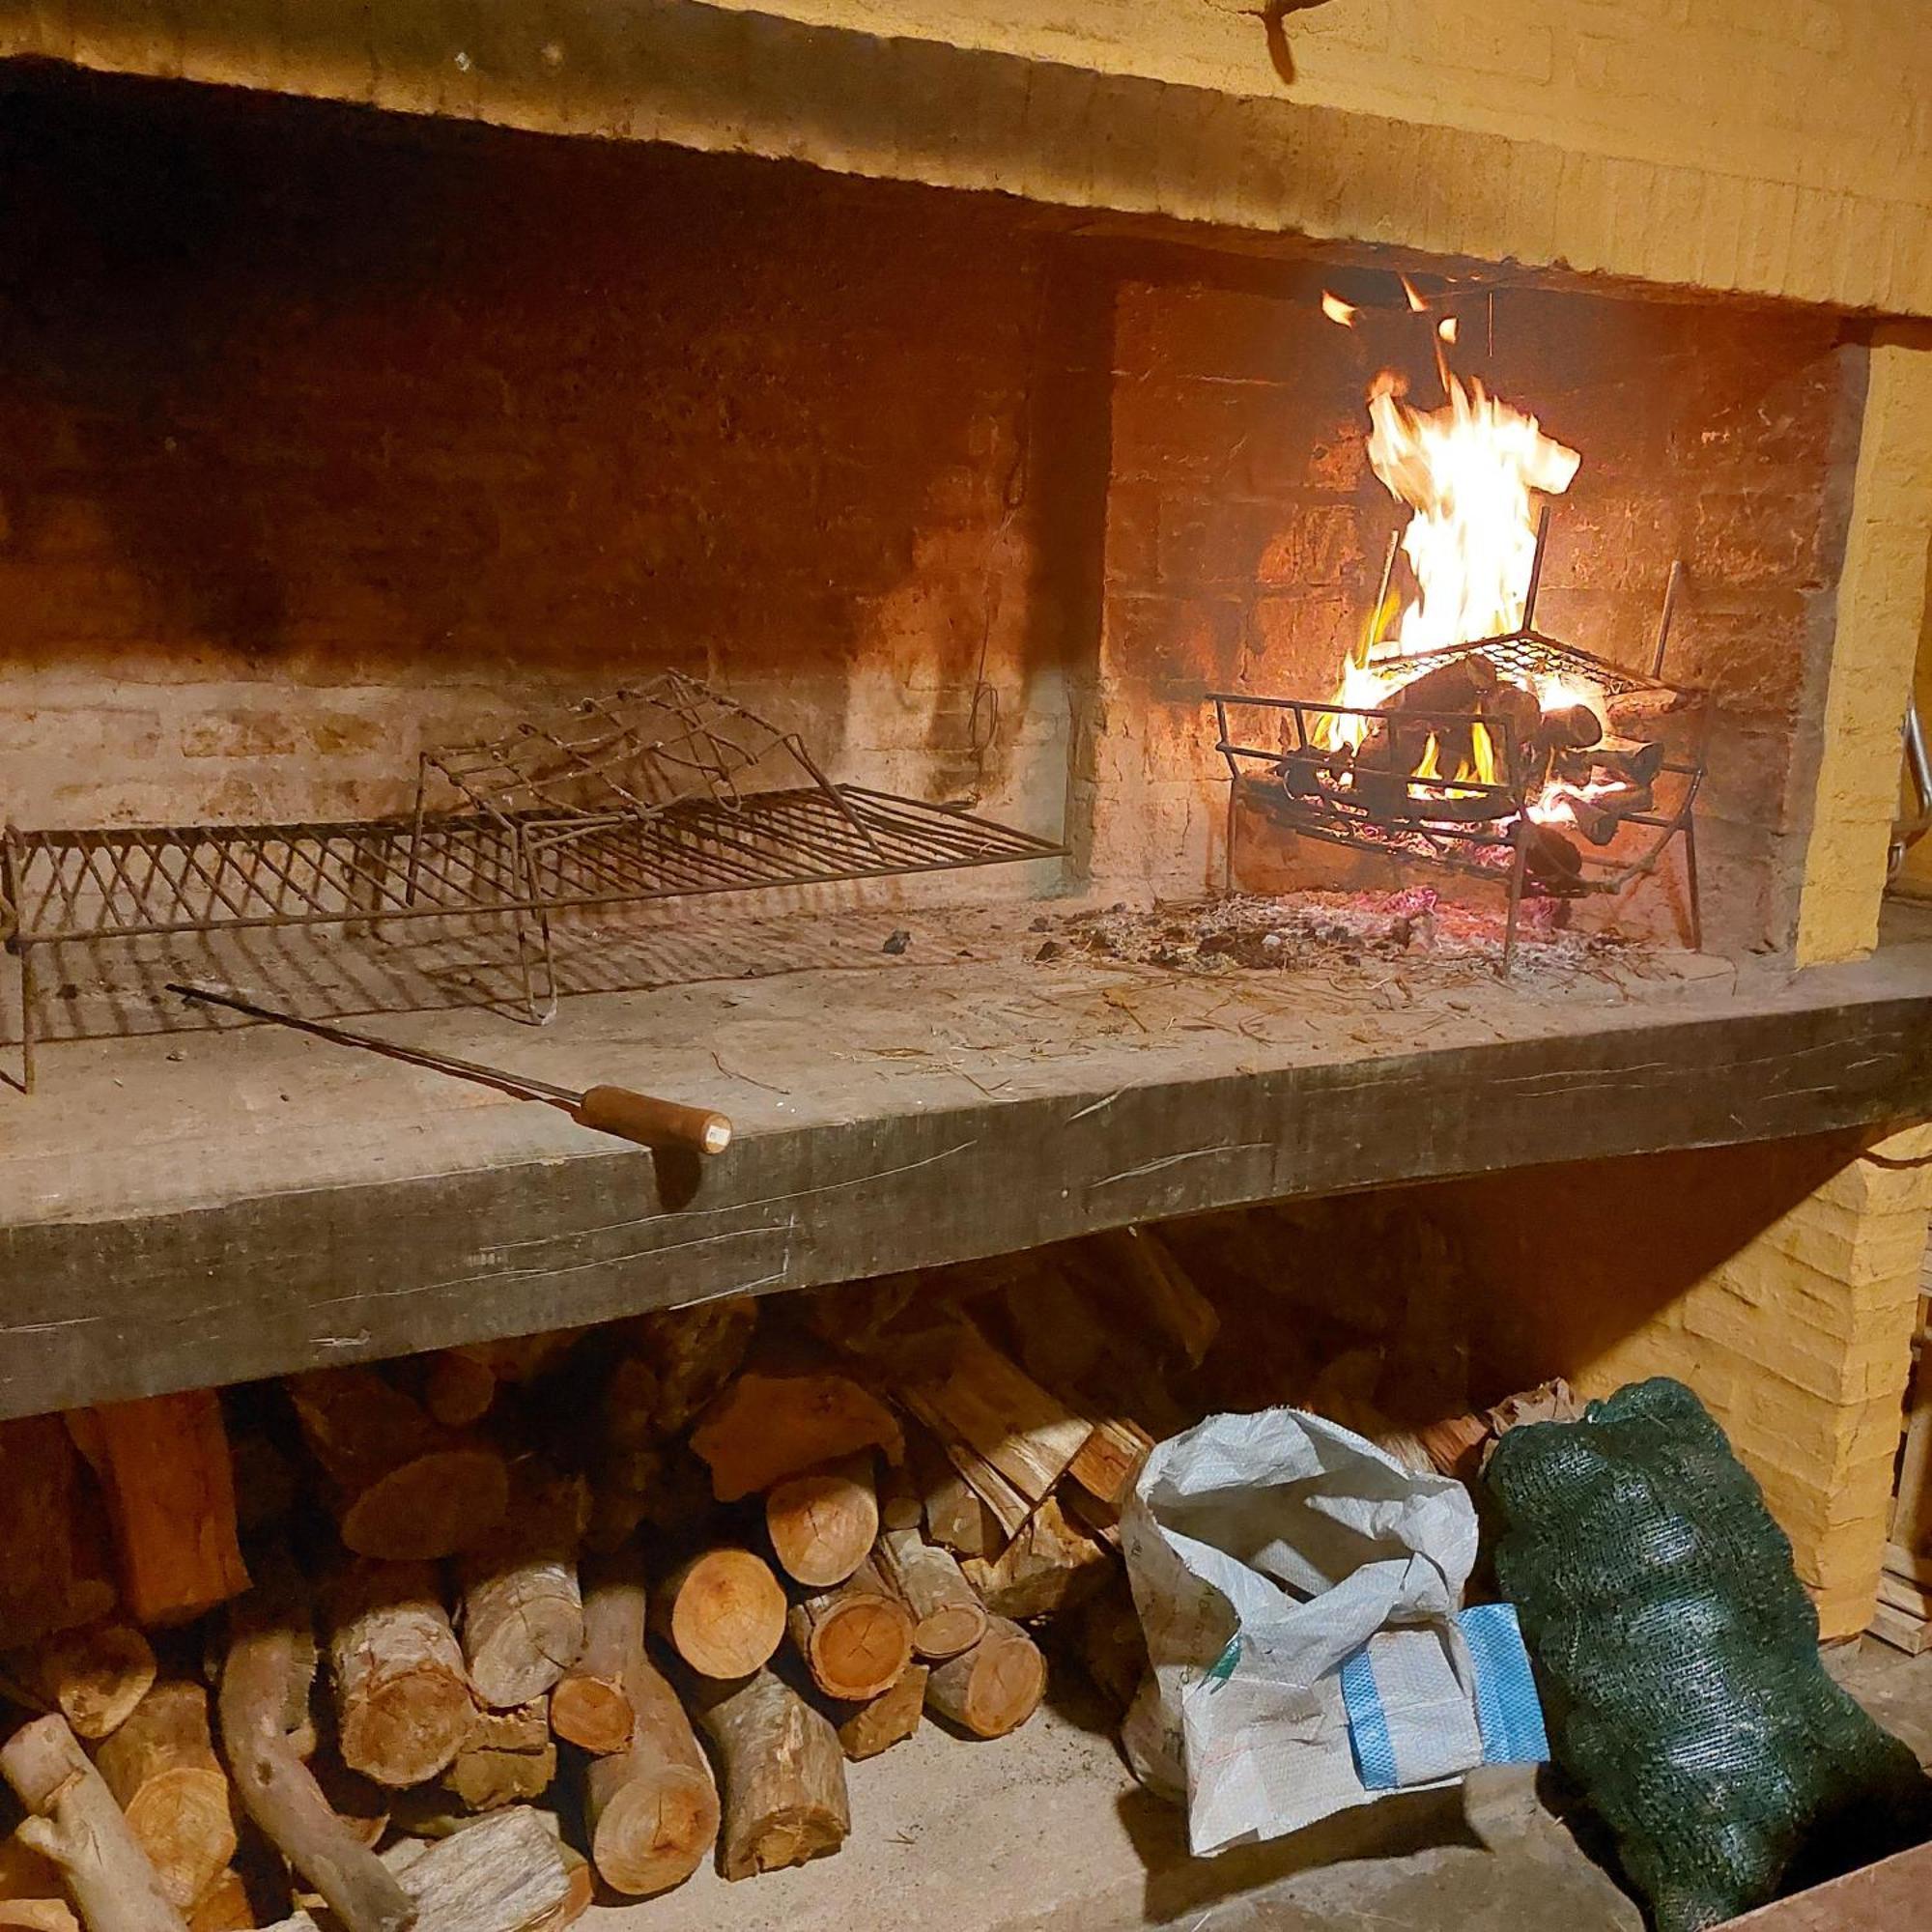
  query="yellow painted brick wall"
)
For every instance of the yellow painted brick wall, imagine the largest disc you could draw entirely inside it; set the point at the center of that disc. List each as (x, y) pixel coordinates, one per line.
(1882, 618)
(1801, 1345)
(1778, 147)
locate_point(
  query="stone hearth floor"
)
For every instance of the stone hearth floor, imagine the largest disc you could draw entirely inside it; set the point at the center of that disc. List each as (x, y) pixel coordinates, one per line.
(1046, 1831)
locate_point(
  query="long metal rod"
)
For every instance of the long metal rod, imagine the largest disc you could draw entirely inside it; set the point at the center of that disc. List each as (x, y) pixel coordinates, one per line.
(441, 1063)
(1664, 619)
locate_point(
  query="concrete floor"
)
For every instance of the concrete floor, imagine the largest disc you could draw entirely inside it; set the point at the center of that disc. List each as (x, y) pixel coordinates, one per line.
(1044, 1832)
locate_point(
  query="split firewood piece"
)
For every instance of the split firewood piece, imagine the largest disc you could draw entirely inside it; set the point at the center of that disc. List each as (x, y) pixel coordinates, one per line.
(459, 1387)
(948, 1615)
(77, 1824)
(402, 1699)
(590, 1706)
(401, 1489)
(1180, 1319)
(93, 1676)
(39, 1915)
(49, 1579)
(857, 1640)
(161, 1767)
(503, 1873)
(984, 1403)
(651, 1808)
(508, 1758)
(264, 1696)
(583, 1894)
(1050, 1566)
(723, 1612)
(522, 1614)
(1108, 1642)
(224, 1907)
(694, 1352)
(956, 1513)
(822, 1523)
(784, 1775)
(165, 1471)
(865, 1730)
(33, 1898)
(859, 1316)
(995, 1687)
(1105, 1470)
(769, 1425)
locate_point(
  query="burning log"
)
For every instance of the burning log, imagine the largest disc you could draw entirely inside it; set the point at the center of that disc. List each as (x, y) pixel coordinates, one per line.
(651, 1808)
(161, 1767)
(1552, 860)
(771, 1425)
(948, 1615)
(76, 1825)
(401, 1489)
(522, 1614)
(857, 1640)
(169, 1485)
(1570, 727)
(263, 1694)
(403, 1707)
(1627, 711)
(722, 1612)
(992, 1688)
(865, 1730)
(784, 1773)
(93, 1676)
(823, 1522)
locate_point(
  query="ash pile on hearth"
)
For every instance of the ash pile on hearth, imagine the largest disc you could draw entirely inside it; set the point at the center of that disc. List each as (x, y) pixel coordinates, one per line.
(1318, 929)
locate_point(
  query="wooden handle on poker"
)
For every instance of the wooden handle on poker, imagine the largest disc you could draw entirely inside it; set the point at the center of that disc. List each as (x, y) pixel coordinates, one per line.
(652, 1122)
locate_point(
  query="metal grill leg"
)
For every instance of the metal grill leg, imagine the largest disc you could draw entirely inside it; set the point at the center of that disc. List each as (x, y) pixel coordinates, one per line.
(26, 1020)
(1690, 884)
(1518, 863)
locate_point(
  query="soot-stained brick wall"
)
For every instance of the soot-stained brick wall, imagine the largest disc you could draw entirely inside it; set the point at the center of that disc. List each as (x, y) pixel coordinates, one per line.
(323, 433)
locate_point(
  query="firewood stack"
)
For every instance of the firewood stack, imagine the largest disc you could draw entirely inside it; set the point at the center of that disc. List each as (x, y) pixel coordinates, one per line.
(269, 1651)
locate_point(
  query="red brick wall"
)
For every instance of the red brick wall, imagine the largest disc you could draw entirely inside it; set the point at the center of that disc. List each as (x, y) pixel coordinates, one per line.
(321, 432)
(1245, 532)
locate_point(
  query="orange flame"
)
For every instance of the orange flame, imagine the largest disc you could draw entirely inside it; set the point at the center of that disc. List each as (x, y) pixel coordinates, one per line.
(1337, 310)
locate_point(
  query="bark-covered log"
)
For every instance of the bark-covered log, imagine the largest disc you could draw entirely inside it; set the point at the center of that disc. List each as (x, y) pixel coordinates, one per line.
(164, 1469)
(77, 1824)
(822, 1523)
(402, 1698)
(867, 1729)
(651, 1808)
(590, 1706)
(93, 1676)
(505, 1873)
(722, 1610)
(784, 1775)
(992, 1688)
(856, 1639)
(161, 1767)
(692, 1353)
(401, 1489)
(948, 1615)
(265, 1683)
(522, 1614)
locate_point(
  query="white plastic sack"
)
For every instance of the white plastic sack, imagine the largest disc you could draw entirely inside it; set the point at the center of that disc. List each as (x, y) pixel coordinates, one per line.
(1265, 1550)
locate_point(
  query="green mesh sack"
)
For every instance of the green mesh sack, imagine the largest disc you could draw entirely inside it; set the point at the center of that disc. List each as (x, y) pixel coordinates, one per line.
(1677, 1654)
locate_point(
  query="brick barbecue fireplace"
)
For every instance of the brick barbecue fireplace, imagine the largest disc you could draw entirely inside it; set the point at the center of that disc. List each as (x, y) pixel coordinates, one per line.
(978, 404)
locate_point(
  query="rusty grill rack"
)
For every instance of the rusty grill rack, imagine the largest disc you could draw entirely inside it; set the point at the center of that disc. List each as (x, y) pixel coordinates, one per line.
(124, 884)
(1479, 829)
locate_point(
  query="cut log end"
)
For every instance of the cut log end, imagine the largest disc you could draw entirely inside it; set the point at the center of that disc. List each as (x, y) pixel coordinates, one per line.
(727, 1612)
(654, 1832)
(822, 1523)
(995, 1687)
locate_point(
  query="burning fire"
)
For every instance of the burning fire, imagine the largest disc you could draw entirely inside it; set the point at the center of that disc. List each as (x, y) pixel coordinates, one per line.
(1469, 473)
